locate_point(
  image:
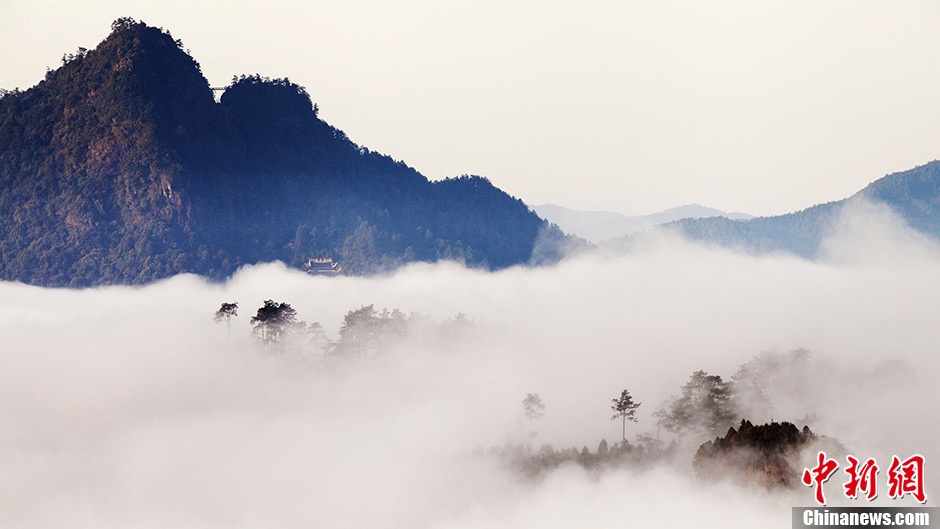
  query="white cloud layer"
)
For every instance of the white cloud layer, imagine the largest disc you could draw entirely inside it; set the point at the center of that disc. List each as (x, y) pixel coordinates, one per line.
(125, 407)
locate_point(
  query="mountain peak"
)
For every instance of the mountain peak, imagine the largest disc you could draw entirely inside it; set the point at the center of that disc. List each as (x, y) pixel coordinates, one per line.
(120, 167)
(137, 74)
(148, 51)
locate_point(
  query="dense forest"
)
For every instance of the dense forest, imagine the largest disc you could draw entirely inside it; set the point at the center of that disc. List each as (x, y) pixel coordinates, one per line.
(121, 167)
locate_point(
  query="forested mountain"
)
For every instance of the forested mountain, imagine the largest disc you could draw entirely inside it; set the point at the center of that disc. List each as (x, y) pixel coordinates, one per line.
(121, 167)
(912, 194)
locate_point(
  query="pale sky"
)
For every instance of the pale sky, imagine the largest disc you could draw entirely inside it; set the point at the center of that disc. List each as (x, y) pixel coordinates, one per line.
(757, 106)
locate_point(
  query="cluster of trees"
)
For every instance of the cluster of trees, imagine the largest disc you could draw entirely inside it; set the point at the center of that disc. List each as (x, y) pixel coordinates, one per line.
(708, 405)
(121, 167)
(528, 462)
(646, 452)
(365, 332)
(770, 454)
(705, 406)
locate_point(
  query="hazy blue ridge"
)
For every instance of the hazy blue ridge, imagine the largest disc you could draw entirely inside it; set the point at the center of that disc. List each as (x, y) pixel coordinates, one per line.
(914, 195)
(598, 226)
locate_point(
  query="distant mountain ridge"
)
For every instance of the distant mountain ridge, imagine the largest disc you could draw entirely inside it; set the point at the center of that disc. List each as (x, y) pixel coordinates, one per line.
(914, 195)
(597, 226)
(121, 167)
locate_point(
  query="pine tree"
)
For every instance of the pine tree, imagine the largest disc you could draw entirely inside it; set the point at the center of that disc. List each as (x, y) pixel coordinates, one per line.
(624, 409)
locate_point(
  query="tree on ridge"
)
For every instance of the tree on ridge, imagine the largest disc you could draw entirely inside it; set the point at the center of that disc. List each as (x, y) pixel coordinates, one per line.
(225, 313)
(625, 410)
(534, 409)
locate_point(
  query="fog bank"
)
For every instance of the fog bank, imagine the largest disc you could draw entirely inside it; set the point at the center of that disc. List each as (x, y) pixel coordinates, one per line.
(130, 407)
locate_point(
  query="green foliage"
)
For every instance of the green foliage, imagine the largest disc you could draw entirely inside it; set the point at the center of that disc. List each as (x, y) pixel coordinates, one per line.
(120, 167)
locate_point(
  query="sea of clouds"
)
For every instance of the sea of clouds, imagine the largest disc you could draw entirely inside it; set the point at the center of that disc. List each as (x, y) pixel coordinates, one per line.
(129, 407)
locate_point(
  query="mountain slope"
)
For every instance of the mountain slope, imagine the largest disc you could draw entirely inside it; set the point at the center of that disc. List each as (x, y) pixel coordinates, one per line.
(597, 226)
(120, 167)
(912, 194)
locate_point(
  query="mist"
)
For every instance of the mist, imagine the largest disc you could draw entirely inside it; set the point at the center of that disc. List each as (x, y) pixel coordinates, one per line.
(130, 407)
